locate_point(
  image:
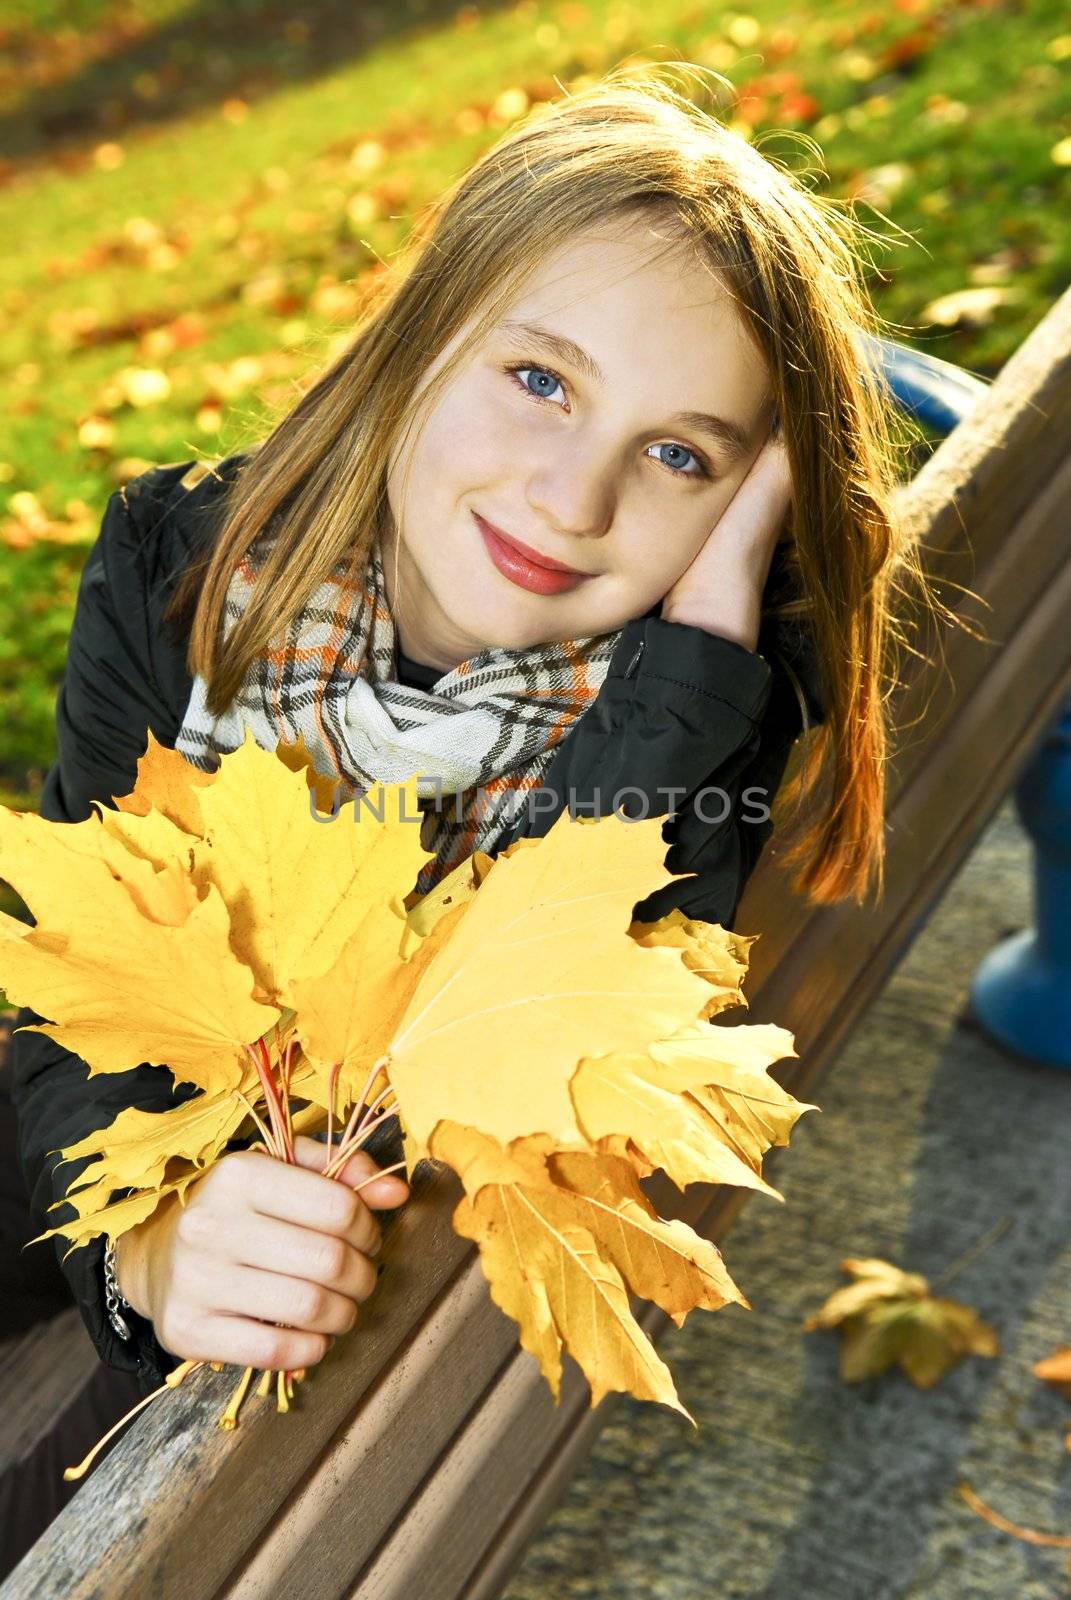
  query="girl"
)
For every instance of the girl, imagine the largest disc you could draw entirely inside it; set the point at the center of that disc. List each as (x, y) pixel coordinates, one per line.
(539, 534)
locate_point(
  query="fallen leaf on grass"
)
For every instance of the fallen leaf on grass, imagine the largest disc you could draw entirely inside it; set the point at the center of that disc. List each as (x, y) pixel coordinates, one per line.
(888, 1316)
(30, 523)
(1056, 1369)
(974, 308)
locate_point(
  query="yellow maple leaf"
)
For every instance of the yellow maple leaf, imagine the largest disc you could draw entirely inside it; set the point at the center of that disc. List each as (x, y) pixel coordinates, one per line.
(53, 869)
(126, 1212)
(349, 1014)
(260, 842)
(700, 1105)
(541, 961)
(166, 784)
(135, 1149)
(557, 1231)
(140, 1149)
(110, 983)
(718, 955)
(455, 889)
(665, 1261)
(138, 956)
(889, 1316)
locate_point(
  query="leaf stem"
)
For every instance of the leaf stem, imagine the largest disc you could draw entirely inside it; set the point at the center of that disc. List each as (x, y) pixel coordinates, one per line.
(332, 1086)
(279, 1101)
(1056, 1541)
(259, 1057)
(972, 1251)
(229, 1417)
(287, 1074)
(265, 1135)
(354, 1138)
(382, 1173)
(173, 1379)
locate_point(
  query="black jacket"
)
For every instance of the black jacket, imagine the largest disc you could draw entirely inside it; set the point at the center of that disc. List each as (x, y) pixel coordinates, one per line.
(679, 707)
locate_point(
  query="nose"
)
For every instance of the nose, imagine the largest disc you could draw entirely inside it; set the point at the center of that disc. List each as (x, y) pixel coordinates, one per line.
(573, 490)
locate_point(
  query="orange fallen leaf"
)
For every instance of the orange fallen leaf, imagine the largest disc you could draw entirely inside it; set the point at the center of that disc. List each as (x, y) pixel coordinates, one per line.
(1056, 1369)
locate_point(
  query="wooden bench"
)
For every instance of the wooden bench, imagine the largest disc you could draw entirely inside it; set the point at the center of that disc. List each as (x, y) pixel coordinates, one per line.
(427, 1449)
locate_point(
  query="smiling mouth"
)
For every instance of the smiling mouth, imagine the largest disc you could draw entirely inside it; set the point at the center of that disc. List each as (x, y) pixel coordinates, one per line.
(528, 553)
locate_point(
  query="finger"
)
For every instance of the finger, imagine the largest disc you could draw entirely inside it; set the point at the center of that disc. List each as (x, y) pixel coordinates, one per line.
(242, 1342)
(294, 1302)
(274, 1246)
(771, 463)
(289, 1192)
(311, 1153)
(763, 496)
(380, 1194)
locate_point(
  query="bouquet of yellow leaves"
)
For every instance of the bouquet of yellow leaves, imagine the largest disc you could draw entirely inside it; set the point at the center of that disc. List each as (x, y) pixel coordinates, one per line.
(522, 1028)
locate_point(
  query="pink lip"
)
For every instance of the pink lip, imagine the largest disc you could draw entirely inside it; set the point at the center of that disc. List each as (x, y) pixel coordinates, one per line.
(525, 566)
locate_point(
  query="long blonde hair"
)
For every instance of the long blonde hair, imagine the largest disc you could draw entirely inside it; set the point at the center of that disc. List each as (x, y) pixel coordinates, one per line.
(627, 144)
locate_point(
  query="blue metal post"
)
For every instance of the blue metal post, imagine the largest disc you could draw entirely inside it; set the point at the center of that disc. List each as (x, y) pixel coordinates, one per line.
(1021, 993)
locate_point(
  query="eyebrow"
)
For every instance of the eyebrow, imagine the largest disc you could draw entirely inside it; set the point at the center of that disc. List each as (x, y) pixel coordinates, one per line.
(731, 436)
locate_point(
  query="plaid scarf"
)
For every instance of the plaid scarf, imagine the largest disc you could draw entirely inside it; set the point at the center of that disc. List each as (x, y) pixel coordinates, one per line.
(487, 731)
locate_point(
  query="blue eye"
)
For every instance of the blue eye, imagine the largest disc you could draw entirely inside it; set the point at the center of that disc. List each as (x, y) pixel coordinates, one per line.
(686, 451)
(540, 372)
(514, 372)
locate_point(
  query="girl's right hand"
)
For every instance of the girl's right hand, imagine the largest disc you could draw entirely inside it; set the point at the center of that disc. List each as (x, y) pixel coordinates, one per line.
(259, 1242)
(721, 590)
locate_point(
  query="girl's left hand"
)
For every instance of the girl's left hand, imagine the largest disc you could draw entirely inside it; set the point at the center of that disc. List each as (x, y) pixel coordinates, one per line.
(729, 574)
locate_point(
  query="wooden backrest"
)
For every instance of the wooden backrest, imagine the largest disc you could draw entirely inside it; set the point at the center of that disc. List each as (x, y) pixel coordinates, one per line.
(427, 1448)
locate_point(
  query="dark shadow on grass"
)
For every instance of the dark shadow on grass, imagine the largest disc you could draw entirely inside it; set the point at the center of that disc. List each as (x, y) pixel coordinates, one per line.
(246, 49)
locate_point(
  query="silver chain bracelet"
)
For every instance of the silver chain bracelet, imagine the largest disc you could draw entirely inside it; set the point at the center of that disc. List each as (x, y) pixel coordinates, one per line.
(114, 1298)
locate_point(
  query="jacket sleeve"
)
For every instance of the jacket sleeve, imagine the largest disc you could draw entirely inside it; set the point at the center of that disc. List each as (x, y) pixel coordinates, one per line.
(722, 828)
(107, 701)
(693, 726)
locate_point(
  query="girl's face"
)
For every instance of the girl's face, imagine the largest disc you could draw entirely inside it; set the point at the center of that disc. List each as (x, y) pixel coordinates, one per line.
(582, 454)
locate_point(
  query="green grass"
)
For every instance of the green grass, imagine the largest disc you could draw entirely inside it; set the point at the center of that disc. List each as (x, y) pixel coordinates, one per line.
(175, 161)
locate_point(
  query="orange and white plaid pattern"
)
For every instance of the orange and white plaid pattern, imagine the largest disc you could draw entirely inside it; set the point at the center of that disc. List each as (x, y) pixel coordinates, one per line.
(484, 735)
